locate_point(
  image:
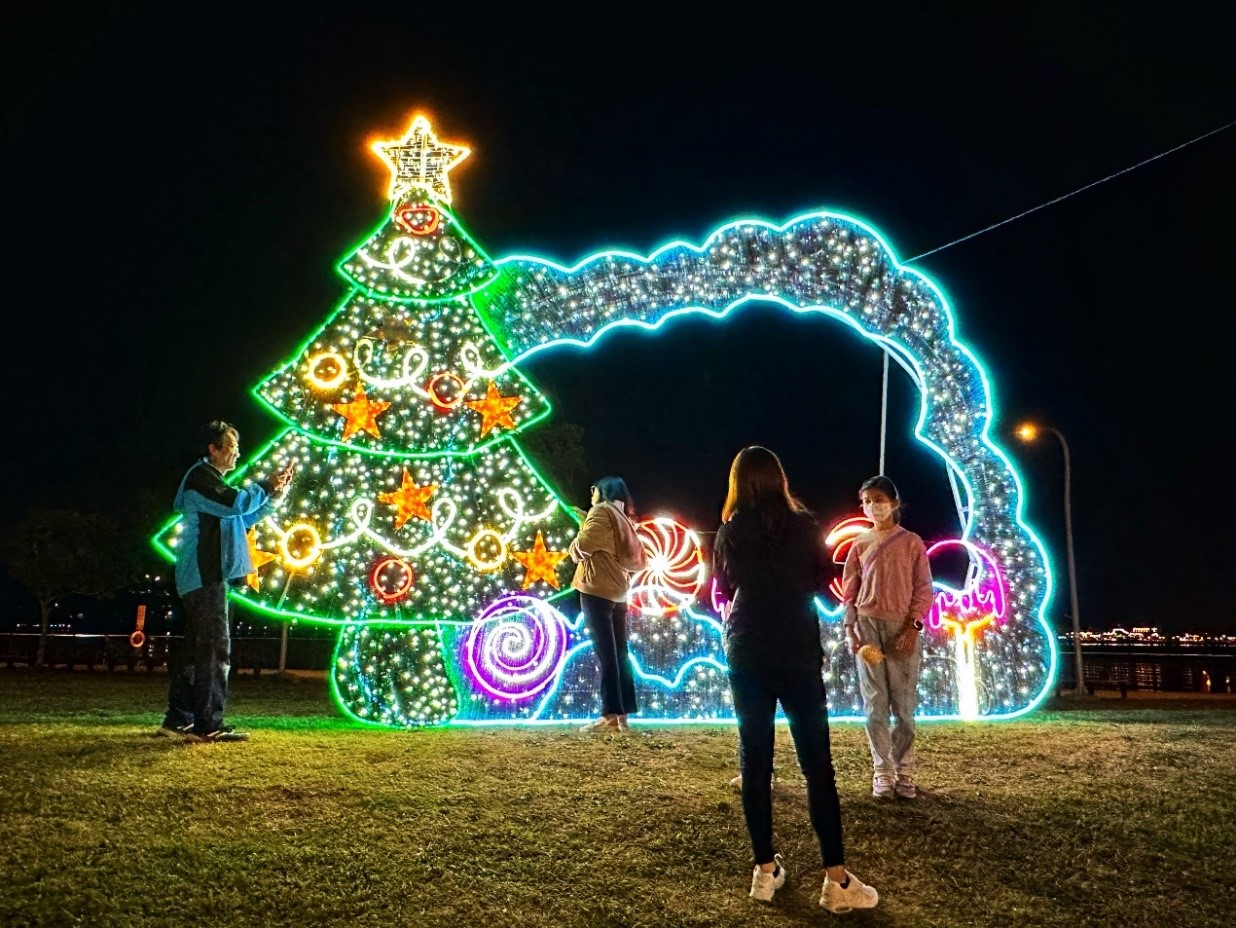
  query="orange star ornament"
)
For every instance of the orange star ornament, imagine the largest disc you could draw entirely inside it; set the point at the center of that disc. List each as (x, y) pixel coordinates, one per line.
(495, 409)
(258, 558)
(409, 500)
(360, 413)
(542, 563)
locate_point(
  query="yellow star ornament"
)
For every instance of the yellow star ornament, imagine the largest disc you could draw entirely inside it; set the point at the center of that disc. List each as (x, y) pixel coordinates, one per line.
(409, 500)
(360, 413)
(542, 564)
(258, 558)
(495, 409)
(420, 160)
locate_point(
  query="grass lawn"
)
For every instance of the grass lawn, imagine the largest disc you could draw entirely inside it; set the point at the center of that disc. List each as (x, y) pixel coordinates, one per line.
(1092, 812)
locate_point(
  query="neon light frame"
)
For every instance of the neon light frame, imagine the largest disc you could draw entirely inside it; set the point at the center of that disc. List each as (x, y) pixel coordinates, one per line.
(518, 347)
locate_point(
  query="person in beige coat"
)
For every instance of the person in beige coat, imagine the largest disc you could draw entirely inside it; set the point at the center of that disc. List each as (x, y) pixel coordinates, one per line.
(608, 553)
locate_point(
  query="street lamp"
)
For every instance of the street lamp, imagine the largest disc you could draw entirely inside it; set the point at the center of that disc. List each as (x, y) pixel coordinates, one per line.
(1028, 432)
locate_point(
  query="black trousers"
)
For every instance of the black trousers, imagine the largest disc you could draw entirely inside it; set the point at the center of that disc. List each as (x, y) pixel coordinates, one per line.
(198, 667)
(607, 624)
(757, 687)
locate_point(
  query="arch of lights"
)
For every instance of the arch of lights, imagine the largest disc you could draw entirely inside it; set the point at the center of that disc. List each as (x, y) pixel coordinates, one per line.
(418, 526)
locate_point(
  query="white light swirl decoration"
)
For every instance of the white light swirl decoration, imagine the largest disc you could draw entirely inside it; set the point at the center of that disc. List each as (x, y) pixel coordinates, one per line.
(517, 647)
(676, 571)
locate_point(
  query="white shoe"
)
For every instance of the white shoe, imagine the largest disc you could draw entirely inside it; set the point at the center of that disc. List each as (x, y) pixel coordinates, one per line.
(736, 782)
(601, 724)
(905, 786)
(883, 787)
(764, 885)
(856, 895)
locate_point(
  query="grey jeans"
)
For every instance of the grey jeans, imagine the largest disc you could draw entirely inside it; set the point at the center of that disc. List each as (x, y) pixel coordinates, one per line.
(890, 686)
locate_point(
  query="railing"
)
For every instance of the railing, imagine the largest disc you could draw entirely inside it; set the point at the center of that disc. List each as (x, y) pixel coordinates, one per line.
(1198, 671)
(1190, 670)
(114, 652)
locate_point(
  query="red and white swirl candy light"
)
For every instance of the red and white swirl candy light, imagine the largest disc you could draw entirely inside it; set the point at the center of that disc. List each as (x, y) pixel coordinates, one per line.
(675, 570)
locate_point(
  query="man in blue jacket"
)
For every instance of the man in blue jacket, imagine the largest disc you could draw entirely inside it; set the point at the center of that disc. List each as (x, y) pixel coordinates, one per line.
(213, 555)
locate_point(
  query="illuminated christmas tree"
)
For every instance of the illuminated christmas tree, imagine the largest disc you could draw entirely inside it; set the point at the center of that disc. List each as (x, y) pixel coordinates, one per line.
(413, 507)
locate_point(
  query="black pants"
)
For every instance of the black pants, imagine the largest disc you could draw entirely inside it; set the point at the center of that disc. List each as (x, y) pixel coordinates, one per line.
(607, 624)
(757, 687)
(198, 667)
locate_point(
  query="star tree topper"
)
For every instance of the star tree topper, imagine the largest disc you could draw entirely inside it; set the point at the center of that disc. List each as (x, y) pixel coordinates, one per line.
(420, 160)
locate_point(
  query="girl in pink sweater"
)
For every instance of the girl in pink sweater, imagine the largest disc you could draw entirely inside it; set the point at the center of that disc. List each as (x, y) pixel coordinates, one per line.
(887, 594)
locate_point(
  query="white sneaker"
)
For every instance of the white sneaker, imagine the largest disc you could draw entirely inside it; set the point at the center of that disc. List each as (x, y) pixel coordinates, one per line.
(856, 895)
(763, 885)
(736, 782)
(905, 787)
(601, 725)
(882, 787)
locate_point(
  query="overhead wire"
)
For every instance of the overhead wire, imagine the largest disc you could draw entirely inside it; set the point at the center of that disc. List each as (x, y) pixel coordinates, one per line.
(1052, 202)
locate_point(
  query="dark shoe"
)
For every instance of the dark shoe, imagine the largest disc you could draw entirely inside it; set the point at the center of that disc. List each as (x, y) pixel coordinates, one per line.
(226, 733)
(174, 731)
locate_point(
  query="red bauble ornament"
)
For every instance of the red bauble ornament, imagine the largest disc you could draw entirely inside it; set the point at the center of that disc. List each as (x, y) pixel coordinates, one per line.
(391, 579)
(446, 390)
(419, 220)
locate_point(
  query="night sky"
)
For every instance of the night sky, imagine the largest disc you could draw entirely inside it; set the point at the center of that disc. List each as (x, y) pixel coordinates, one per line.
(179, 186)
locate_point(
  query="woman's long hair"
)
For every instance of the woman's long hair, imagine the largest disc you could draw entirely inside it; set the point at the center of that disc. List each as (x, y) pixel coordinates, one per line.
(758, 486)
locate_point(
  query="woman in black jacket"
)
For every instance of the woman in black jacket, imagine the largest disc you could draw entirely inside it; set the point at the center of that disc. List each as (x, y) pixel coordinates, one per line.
(769, 562)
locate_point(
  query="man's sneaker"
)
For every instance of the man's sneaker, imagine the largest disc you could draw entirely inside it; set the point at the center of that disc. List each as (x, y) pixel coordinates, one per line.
(854, 895)
(174, 731)
(882, 787)
(905, 787)
(219, 735)
(764, 885)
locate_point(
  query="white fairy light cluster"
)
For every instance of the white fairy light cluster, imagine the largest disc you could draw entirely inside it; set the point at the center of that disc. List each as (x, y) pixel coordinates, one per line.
(419, 253)
(427, 364)
(486, 507)
(393, 677)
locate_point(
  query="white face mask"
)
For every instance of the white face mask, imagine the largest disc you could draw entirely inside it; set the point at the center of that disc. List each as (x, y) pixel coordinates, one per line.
(878, 512)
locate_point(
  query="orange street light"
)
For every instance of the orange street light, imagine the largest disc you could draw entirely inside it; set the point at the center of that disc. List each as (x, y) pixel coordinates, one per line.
(1028, 432)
